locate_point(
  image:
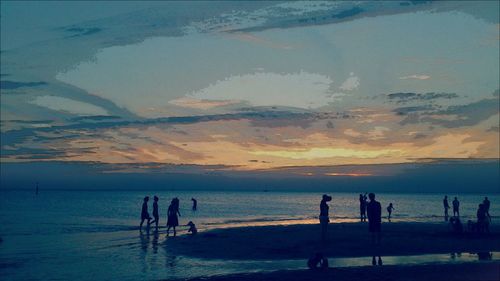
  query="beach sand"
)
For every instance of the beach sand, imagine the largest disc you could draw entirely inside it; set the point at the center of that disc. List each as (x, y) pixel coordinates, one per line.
(344, 240)
(443, 272)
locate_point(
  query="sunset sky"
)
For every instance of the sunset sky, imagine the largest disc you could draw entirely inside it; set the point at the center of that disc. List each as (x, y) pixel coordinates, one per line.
(250, 85)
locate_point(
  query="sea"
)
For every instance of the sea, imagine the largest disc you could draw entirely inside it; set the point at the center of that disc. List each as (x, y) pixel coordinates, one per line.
(94, 235)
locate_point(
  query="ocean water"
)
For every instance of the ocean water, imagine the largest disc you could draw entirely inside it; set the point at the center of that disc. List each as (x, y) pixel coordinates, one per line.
(93, 235)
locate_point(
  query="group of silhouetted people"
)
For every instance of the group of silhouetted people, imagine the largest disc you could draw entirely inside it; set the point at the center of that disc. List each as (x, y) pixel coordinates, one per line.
(482, 214)
(363, 204)
(371, 210)
(456, 207)
(173, 214)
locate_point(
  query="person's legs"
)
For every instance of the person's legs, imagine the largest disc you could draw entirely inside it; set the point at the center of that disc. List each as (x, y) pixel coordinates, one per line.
(376, 238)
(324, 229)
(142, 222)
(374, 251)
(175, 233)
(168, 229)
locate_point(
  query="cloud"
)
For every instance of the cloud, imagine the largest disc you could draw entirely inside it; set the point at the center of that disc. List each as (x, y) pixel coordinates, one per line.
(407, 97)
(11, 85)
(350, 83)
(416, 76)
(78, 31)
(68, 105)
(326, 152)
(412, 109)
(453, 116)
(248, 37)
(352, 133)
(300, 89)
(201, 104)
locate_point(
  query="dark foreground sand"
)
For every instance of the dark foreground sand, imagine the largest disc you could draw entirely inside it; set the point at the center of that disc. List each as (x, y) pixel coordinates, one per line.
(446, 272)
(344, 240)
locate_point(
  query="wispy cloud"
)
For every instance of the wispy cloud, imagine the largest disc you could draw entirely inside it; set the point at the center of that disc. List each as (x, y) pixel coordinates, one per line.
(68, 105)
(407, 97)
(271, 89)
(416, 76)
(350, 83)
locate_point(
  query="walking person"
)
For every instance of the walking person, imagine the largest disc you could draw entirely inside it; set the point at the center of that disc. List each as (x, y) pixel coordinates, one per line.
(446, 207)
(145, 213)
(324, 218)
(456, 206)
(374, 210)
(390, 208)
(195, 204)
(172, 219)
(486, 205)
(156, 214)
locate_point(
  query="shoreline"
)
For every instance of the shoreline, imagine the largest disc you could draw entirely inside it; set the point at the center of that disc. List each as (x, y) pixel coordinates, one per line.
(299, 241)
(345, 240)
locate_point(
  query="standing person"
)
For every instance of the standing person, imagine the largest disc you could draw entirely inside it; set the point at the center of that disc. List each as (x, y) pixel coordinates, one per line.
(144, 212)
(486, 205)
(323, 215)
(456, 206)
(156, 214)
(362, 207)
(446, 207)
(482, 222)
(172, 219)
(374, 210)
(390, 208)
(195, 204)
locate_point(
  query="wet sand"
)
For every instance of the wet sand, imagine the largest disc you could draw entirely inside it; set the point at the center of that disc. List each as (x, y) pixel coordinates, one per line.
(444, 272)
(344, 240)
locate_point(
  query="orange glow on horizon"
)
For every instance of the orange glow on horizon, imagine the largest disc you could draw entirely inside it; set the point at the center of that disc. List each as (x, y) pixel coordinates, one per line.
(349, 174)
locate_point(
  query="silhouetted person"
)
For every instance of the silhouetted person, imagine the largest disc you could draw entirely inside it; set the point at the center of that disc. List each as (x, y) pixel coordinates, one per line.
(324, 219)
(192, 228)
(156, 214)
(374, 210)
(484, 256)
(486, 204)
(483, 224)
(362, 207)
(317, 260)
(195, 204)
(172, 219)
(390, 208)
(456, 206)
(456, 225)
(144, 212)
(446, 206)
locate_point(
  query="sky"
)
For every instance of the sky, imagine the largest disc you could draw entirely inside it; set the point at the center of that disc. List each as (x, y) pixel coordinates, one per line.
(294, 88)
